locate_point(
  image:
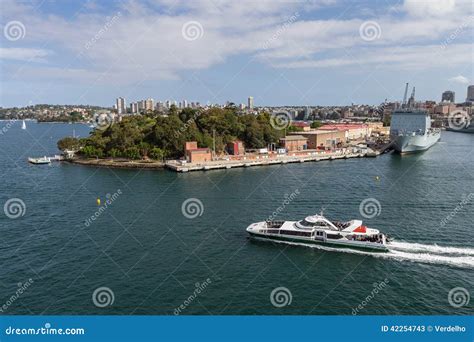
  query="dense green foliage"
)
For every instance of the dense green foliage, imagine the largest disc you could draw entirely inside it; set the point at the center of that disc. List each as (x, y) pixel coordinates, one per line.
(316, 124)
(159, 137)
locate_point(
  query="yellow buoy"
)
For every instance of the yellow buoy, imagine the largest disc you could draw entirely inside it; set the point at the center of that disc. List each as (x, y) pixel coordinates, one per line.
(377, 178)
(98, 201)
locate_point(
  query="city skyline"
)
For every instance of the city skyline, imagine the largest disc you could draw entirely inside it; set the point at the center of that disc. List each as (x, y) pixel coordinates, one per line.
(284, 53)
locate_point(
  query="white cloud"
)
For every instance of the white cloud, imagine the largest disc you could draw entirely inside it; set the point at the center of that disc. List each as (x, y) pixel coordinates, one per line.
(402, 58)
(460, 79)
(146, 41)
(437, 8)
(24, 54)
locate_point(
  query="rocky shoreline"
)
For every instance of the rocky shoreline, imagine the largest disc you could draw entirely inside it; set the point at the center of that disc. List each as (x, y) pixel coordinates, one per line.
(119, 163)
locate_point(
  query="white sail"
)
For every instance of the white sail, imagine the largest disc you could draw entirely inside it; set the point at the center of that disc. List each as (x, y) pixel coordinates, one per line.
(23, 126)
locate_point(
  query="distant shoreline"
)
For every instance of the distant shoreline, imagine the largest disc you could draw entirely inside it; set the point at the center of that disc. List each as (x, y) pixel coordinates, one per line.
(119, 163)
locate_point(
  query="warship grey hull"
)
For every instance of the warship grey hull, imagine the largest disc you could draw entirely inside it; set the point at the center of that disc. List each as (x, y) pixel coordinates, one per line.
(415, 143)
(462, 130)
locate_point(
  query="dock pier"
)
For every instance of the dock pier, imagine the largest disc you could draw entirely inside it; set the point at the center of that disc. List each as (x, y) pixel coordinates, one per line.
(177, 166)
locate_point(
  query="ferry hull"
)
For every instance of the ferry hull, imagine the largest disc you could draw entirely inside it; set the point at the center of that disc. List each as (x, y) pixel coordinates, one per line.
(373, 248)
(417, 143)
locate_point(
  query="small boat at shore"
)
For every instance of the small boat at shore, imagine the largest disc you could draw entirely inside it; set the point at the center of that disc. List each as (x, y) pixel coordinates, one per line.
(317, 229)
(42, 160)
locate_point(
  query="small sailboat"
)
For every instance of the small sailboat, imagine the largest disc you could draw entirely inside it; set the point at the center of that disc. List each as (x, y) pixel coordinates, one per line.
(23, 125)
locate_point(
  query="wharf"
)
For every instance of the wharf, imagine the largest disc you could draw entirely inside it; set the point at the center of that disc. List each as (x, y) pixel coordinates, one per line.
(177, 166)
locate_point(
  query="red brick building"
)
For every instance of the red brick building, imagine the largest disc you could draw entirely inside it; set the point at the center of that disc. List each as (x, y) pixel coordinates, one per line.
(236, 148)
(196, 155)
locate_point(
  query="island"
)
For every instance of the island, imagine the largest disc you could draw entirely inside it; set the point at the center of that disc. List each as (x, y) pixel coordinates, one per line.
(148, 140)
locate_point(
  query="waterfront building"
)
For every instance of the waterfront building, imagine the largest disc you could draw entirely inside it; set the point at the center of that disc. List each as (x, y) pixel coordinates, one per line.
(250, 102)
(294, 143)
(448, 96)
(236, 148)
(120, 104)
(352, 131)
(302, 125)
(444, 108)
(196, 155)
(322, 139)
(470, 93)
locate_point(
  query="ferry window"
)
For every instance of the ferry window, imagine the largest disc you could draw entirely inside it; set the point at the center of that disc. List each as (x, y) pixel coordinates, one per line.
(291, 232)
(306, 223)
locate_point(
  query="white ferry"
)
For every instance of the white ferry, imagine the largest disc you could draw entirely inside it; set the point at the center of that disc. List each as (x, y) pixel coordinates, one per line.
(42, 160)
(317, 229)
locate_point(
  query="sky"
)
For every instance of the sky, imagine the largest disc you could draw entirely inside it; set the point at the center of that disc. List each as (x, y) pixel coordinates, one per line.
(300, 52)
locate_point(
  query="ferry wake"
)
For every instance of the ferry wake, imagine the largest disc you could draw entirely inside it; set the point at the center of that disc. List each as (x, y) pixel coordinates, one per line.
(353, 237)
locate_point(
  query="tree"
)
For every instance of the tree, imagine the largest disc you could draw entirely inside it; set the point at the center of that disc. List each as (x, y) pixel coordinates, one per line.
(69, 143)
(164, 136)
(157, 153)
(91, 151)
(316, 124)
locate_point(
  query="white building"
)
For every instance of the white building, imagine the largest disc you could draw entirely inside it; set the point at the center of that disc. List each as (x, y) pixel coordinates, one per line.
(250, 102)
(149, 104)
(120, 104)
(134, 108)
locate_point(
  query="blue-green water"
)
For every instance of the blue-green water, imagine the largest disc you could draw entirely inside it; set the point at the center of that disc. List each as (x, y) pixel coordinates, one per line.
(151, 256)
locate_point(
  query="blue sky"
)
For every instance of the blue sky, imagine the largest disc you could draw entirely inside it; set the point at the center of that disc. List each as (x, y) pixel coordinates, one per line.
(327, 52)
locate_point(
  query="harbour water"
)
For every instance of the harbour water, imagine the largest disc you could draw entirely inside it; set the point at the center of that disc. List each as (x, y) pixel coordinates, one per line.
(154, 257)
